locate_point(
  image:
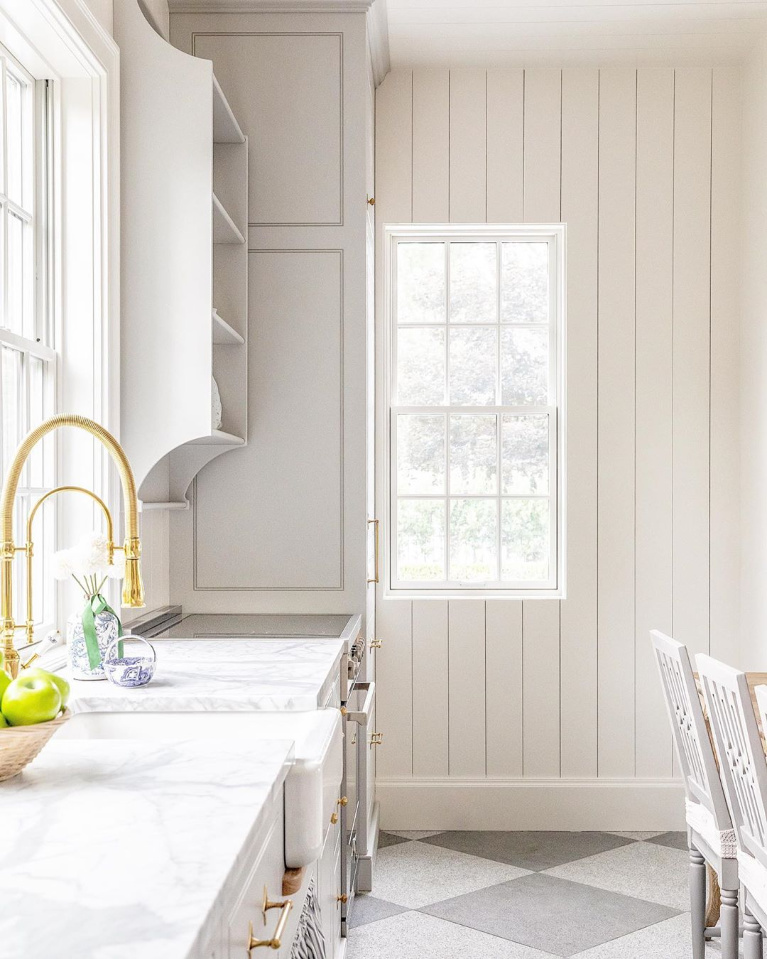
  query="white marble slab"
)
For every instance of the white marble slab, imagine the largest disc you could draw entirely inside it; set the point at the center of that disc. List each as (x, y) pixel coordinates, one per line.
(121, 850)
(225, 675)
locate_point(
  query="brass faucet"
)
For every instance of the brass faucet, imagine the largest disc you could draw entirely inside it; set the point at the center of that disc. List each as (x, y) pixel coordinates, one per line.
(133, 590)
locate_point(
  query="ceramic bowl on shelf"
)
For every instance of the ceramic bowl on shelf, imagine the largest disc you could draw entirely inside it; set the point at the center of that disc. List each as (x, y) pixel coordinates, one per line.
(130, 661)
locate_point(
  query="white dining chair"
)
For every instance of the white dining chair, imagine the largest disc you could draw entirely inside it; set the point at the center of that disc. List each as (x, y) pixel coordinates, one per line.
(743, 770)
(710, 833)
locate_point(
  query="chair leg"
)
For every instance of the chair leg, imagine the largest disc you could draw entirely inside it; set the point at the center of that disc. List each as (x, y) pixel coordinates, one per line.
(752, 936)
(698, 903)
(728, 921)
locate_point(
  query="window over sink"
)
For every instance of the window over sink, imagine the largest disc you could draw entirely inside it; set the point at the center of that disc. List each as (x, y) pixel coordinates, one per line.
(474, 397)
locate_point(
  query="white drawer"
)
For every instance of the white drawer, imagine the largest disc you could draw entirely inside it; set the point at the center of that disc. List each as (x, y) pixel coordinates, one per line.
(247, 913)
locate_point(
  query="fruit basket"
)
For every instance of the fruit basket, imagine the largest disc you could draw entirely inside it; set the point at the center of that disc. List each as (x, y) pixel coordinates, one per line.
(20, 744)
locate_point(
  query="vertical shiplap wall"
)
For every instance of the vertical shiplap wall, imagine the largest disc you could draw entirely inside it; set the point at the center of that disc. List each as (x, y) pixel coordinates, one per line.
(642, 166)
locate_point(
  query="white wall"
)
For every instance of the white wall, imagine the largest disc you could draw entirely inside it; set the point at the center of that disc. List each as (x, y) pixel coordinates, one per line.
(754, 363)
(509, 714)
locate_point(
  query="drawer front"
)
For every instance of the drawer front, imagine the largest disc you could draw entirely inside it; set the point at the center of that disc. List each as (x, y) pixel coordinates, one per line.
(264, 878)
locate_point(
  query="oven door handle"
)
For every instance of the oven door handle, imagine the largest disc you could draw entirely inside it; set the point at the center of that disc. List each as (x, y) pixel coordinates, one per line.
(362, 716)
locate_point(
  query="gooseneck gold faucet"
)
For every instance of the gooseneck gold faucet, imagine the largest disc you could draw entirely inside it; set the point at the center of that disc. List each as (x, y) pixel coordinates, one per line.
(133, 590)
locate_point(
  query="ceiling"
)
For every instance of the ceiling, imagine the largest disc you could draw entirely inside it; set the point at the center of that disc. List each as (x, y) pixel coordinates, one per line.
(571, 32)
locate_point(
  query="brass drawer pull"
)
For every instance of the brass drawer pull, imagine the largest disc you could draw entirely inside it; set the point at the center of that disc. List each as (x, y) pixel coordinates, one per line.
(376, 531)
(376, 739)
(376, 644)
(276, 941)
(334, 819)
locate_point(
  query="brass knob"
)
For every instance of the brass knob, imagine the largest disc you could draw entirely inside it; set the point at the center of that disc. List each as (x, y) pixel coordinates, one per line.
(343, 801)
(372, 200)
(342, 898)
(376, 644)
(334, 818)
(344, 710)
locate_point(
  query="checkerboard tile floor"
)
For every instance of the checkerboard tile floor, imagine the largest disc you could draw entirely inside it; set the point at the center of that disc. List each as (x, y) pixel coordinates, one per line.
(526, 895)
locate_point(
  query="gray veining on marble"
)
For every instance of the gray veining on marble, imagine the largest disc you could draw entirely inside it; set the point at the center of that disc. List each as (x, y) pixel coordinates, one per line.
(229, 675)
(120, 850)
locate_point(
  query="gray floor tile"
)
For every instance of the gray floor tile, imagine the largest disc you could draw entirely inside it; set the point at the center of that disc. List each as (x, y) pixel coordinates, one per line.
(413, 935)
(550, 914)
(386, 839)
(675, 840)
(370, 909)
(413, 874)
(642, 869)
(529, 850)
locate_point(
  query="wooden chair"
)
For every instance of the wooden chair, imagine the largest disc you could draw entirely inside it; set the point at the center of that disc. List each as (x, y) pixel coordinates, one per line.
(743, 770)
(711, 837)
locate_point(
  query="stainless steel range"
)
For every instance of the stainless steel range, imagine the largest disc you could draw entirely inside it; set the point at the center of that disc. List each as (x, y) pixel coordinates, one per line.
(355, 696)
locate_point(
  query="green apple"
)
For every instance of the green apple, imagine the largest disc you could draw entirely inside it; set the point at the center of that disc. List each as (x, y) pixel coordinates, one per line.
(5, 682)
(3, 721)
(61, 684)
(29, 700)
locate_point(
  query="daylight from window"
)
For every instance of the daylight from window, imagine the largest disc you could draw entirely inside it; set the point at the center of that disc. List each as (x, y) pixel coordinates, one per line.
(474, 412)
(27, 361)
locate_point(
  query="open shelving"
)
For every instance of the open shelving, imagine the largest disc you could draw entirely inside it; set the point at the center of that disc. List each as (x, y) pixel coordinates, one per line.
(177, 117)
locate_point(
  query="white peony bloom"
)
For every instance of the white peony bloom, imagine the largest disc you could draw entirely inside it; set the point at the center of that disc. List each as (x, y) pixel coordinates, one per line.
(117, 569)
(63, 564)
(92, 555)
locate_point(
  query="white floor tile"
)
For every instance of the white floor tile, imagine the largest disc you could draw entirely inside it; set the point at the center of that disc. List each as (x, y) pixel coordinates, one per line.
(412, 935)
(414, 833)
(414, 874)
(644, 870)
(635, 835)
(665, 940)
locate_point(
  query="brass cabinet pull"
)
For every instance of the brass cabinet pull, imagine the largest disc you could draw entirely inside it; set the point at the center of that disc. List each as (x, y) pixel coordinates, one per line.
(334, 819)
(376, 644)
(276, 941)
(376, 525)
(372, 200)
(376, 739)
(342, 898)
(343, 801)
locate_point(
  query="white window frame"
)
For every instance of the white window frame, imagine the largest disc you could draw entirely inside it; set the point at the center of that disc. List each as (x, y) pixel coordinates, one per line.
(62, 41)
(555, 235)
(37, 342)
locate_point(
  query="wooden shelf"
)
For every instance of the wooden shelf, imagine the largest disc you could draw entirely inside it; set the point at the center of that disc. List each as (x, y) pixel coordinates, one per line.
(224, 334)
(224, 228)
(218, 438)
(226, 129)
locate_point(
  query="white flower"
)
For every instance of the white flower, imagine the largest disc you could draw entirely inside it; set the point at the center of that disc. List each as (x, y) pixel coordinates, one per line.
(117, 569)
(63, 564)
(92, 555)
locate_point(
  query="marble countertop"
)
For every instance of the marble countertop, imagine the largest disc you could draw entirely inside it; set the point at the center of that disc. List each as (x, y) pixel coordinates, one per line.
(124, 851)
(235, 675)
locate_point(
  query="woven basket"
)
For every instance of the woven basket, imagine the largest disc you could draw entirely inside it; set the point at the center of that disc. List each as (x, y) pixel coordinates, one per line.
(20, 744)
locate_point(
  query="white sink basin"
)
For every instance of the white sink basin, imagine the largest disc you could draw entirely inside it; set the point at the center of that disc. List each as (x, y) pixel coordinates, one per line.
(313, 783)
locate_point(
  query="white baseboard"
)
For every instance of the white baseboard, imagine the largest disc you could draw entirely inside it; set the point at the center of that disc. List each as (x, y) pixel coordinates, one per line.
(606, 804)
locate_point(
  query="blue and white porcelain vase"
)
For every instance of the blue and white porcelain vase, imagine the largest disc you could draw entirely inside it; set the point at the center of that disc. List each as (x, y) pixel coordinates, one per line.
(106, 625)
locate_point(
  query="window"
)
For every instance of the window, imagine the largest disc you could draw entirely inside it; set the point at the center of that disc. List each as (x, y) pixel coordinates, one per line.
(475, 382)
(27, 361)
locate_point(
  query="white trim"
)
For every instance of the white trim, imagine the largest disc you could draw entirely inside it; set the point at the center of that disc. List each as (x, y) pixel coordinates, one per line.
(378, 40)
(555, 234)
(269, 6)
(539, 804)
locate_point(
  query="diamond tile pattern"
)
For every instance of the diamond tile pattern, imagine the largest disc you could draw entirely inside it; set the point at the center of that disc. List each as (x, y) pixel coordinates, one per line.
(527, 895)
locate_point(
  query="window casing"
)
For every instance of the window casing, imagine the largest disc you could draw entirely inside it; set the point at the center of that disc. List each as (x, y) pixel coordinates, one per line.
(27, 357)
(474, 380)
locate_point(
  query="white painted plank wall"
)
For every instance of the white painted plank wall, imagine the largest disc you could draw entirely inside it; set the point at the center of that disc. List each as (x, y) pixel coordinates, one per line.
(472, 690)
